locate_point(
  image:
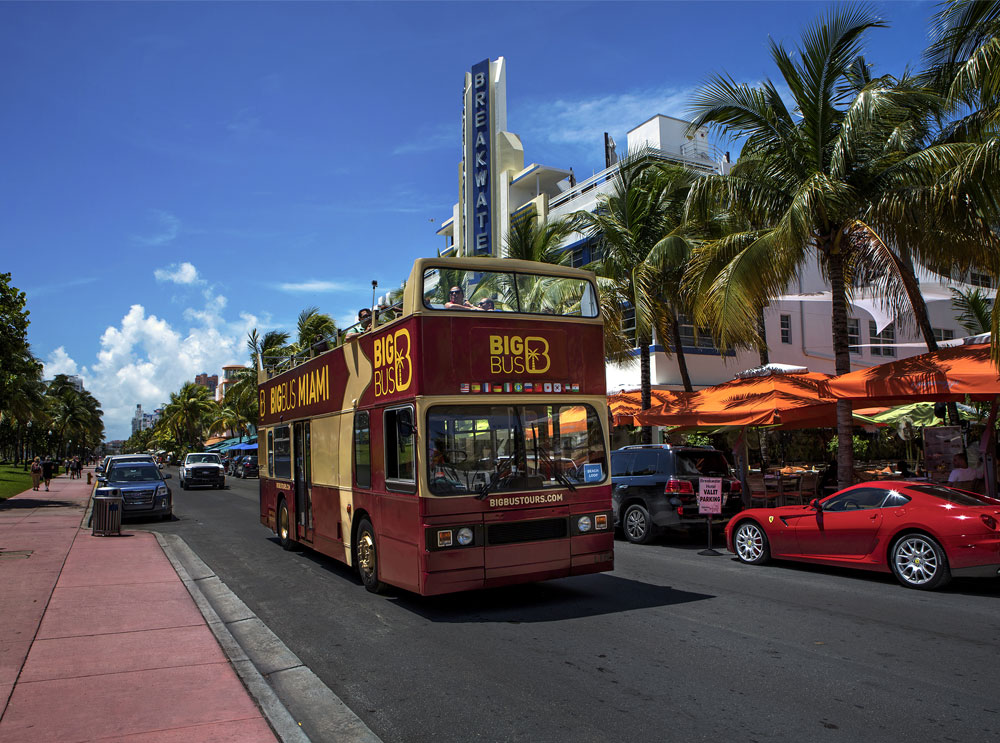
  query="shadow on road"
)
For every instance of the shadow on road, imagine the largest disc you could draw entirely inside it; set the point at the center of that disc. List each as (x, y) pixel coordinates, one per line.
(547, 601)
(551, 601)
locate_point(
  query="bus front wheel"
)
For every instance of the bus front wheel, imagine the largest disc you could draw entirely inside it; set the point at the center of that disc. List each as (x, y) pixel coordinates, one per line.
(284, 526)
(368, 557)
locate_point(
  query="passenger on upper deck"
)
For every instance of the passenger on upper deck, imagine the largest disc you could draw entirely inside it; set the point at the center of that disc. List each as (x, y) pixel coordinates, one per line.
(457, 300)
(365, 319)
(486, 305)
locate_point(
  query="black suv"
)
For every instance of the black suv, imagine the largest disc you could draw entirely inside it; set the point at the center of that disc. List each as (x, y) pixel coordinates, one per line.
(656, 486)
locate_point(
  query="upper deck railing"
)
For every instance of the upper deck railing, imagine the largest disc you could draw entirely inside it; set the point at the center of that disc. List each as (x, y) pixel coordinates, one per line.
(473, 274)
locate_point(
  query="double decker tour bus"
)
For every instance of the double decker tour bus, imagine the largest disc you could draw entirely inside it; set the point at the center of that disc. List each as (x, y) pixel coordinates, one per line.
(452, 447)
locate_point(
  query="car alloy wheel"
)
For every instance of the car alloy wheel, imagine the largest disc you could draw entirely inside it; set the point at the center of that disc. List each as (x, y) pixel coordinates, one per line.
(637, 525)
(919, 562)
(751, 543)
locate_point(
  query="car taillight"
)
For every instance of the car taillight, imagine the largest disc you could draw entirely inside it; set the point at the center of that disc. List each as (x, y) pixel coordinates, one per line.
(735, 486)
(679, 486)
(991, 523)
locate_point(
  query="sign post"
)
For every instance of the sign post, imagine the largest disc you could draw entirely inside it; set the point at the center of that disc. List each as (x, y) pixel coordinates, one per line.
(710, 503)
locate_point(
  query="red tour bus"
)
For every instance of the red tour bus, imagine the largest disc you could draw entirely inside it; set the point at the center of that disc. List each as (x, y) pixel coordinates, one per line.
(452, 447)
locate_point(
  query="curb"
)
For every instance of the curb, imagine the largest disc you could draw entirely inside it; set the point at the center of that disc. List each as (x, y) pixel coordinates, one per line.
(269, 670)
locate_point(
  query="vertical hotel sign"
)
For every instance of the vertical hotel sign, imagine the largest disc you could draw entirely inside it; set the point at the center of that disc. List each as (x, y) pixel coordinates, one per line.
(479, 162)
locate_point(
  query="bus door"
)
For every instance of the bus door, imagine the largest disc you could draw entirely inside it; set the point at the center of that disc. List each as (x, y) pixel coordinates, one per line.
(302, 473)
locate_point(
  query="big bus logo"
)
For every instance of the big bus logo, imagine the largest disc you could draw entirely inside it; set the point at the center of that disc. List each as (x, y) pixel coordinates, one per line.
(393, 369)
(512, 354)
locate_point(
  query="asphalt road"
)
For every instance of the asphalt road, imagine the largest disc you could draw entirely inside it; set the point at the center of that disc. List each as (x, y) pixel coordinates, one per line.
(670, 646)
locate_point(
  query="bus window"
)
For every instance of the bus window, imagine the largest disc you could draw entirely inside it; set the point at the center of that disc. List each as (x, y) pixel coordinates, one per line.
(270, 452)
(400, 467)
(282, 453)
(362, 451)
(513, 447)
(499, 291)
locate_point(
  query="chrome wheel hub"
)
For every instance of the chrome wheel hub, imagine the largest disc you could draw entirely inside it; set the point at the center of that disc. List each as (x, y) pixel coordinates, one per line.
(916, 560)
(749, 543)
(283, 523)
(366, 553)
(635, 523)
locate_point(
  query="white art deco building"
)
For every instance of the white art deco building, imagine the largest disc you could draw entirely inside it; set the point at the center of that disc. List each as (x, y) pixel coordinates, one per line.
(496, 188)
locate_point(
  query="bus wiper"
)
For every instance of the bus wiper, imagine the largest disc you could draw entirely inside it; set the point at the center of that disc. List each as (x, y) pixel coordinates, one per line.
(557, 474)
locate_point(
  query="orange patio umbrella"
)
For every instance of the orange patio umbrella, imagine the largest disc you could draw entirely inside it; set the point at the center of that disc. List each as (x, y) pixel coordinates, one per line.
(795, 400)
(624, 405)
(948, 374)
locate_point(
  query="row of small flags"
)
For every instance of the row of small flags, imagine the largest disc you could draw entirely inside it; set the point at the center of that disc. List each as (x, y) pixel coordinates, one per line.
(520, 387)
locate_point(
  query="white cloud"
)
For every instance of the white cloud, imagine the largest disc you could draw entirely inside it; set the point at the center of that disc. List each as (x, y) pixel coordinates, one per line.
(169, 229)
(59, 363)
(584, 121)
(316, 286)
(144, 358)
(179, 273)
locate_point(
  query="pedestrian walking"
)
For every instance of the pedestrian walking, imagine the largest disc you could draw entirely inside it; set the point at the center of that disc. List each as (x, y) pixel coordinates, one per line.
(47, 467)
(36, 473)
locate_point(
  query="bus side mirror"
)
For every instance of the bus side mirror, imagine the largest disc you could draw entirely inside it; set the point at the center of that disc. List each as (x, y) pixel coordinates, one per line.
(404, 423)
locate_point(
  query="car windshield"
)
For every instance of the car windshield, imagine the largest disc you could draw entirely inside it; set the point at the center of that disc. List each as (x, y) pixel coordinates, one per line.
(693, 462)
(134, 472)
(496, 291)
(513, 447)
(204, 459)
(958, 497)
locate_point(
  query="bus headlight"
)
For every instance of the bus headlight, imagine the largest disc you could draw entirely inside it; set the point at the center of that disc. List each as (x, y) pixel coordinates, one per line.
(583, 523)
(464, 536)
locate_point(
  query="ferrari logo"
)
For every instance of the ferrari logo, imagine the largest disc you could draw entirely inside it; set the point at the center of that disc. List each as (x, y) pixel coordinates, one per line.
(770, 519)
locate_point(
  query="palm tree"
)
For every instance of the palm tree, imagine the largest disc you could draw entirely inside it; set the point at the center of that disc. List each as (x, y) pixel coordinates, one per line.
(314, 327)
(639, 231)
(188, 413)
(830, 183)
(230, 418)
(974, 309)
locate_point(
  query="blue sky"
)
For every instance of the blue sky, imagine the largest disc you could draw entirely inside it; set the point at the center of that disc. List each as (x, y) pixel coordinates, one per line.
(178, 173)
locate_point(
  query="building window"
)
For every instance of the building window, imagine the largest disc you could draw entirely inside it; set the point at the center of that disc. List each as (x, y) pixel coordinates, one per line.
(628, 325)
(786, 328)
(694, 339)
(854, 335)
(882, 343)
(981, 280)
(944, 334)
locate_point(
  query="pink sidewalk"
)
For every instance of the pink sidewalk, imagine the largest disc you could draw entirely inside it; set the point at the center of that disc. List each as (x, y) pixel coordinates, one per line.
(99, 638)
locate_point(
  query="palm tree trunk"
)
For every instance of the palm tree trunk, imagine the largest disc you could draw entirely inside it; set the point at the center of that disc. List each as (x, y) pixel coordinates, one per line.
(842, 365)
(645, 390)
(675, 332)
(762, 332)
(919, 306)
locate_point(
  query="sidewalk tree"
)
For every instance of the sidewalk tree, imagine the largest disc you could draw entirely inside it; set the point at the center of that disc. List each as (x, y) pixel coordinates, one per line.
(639, 230)
(827, 179)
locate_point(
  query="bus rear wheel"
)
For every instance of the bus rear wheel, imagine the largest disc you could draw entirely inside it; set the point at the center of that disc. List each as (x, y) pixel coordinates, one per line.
(284, 526)
(367, 555)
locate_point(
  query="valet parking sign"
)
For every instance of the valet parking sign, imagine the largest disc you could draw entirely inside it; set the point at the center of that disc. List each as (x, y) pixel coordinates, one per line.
(709, 496)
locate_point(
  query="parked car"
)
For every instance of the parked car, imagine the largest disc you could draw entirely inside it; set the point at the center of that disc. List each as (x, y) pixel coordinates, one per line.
(142, 486)
(922, 533)
(655, 487)
(247, 467)
(202, 469)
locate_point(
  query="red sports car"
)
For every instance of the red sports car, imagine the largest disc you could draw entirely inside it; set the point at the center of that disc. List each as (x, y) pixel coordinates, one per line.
(923, 533)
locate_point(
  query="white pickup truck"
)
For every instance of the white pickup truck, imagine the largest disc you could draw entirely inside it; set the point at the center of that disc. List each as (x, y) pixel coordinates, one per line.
(204, 468)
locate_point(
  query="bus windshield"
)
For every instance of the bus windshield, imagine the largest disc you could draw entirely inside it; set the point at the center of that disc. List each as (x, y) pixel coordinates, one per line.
(505, 291)
(497, 448)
